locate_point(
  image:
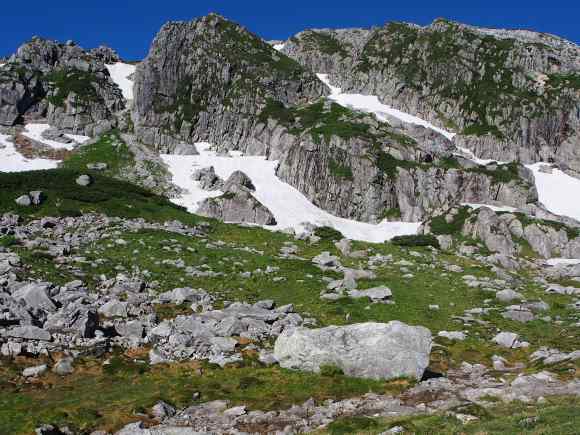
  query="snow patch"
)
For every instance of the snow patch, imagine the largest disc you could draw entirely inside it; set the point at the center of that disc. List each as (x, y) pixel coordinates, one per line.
(120, 73)
(493, 207)
(558, 191)
(471, 156)
(562, 261)
(12, 161)
(34, 132)
(290, 207)
(279, 47)
(371, 104)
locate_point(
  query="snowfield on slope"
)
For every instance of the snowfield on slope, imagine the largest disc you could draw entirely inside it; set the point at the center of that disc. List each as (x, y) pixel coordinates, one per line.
(558, 191)
(492, 207)
(12, 161)
(120, 73)
(371, 104)
(290, 208)
(34, 132)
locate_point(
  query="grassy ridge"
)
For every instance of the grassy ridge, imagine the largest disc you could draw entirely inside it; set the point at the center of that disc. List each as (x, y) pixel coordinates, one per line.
(66, 198)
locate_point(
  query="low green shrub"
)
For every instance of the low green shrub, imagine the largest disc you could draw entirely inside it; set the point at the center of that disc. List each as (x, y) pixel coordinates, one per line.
(7, 241)
(416, 240)
(331, 370)
(328, 234)
(440, 226)
(352, 425)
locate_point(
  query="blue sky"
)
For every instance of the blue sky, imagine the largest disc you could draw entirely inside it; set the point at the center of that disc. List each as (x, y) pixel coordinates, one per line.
(130, 25)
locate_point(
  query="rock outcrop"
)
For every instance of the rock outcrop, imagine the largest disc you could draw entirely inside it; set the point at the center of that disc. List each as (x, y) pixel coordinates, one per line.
(237, 204)
(509, 233)
(366, 350)
(61, 82)
(105, 54)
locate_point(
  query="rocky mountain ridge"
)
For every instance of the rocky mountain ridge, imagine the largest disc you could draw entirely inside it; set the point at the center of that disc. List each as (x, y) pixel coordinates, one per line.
(347, 150)
(63, 83)
(208, 80)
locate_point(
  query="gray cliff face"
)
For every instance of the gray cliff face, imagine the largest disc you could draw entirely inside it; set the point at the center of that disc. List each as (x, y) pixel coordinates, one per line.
(511, 95)
(60, 82)
(208, 80)
(366, 188)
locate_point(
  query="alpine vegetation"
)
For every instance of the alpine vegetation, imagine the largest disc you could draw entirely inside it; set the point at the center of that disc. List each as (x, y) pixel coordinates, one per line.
(351, 231)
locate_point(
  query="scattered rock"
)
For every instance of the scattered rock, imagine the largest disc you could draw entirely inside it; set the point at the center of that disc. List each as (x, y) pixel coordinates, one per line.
(375, 294)
(508, 295)
(509, 340)
(97, 166)
(24, 201)
(34, 372)
(64, 366)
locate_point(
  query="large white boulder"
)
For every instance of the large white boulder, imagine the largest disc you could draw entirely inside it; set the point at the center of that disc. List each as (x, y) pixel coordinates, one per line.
(365, 350)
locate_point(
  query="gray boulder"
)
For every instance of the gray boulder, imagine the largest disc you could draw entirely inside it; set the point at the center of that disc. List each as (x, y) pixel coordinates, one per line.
(162, 410)
(237, 204)
(29, 332)
(508, 295)
(64, 366)
(84, 180)
(238, 207)
(237, 182)
(37, 197)
(180, 295)
(519, 315)
(24, 201)
(35, 297)
(510, 340)
(97, 166)
(207, 178)
(76, 319)
(56, 135)
(132, 329)
(375, 294)
(33, 372)
(324, 259)
(366, 350)
(114, 308)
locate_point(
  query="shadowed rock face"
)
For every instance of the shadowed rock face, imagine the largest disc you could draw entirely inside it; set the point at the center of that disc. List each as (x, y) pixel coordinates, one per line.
(60, 82)
(510, 94)
(208, 79)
